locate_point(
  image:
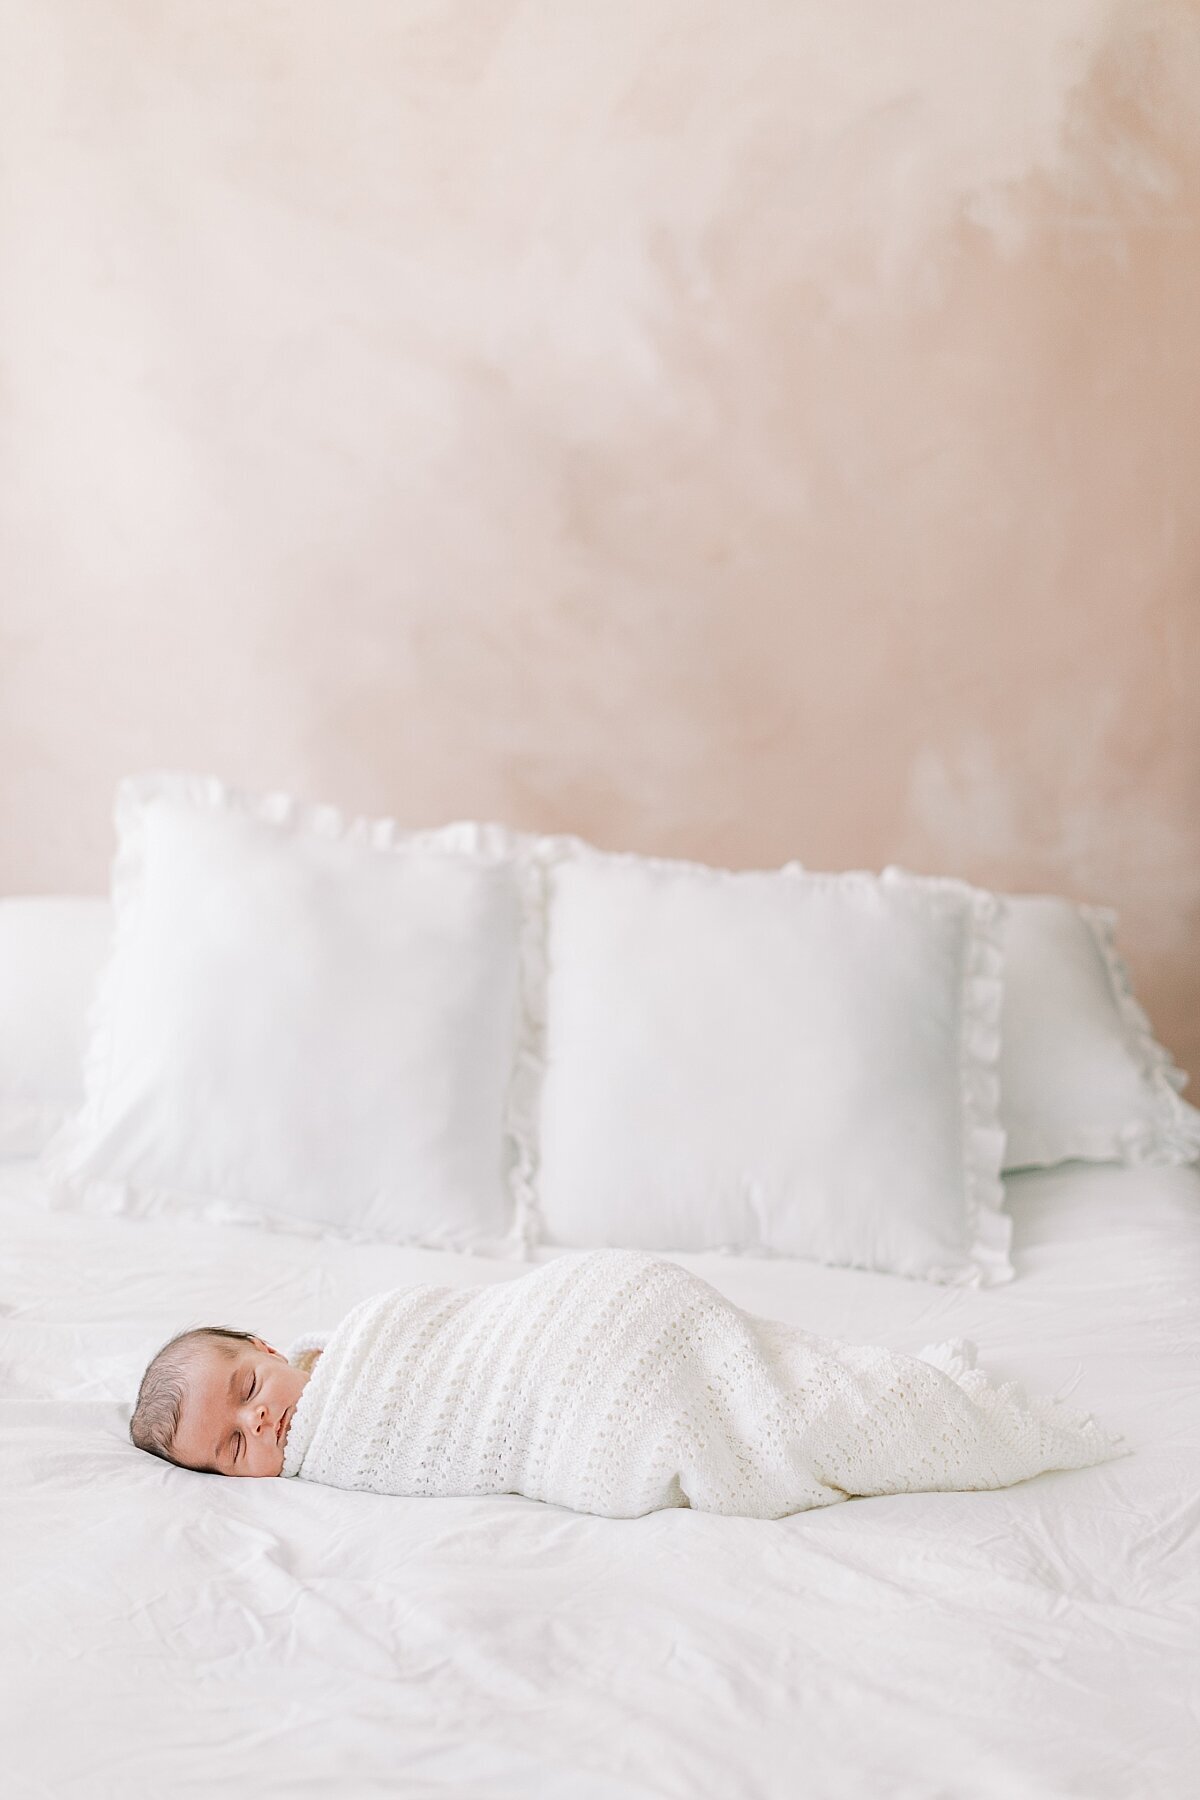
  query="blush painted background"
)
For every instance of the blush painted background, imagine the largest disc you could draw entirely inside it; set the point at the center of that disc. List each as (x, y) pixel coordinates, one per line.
(740, 431)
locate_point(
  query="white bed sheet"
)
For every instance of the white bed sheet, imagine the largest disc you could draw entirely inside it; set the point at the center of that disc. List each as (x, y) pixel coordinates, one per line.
(170, 1633)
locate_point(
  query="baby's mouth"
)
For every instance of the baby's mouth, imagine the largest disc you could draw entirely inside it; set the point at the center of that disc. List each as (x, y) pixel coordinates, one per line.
(280, 1426)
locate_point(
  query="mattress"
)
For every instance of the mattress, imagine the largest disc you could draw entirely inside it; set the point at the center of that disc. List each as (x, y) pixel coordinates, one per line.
(169, 1632)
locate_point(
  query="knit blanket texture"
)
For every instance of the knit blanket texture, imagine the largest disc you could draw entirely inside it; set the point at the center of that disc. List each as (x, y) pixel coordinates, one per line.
(617, 1383)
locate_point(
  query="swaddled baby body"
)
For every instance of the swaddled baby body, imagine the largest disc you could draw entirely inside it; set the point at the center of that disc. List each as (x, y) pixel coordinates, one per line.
(610, 1382)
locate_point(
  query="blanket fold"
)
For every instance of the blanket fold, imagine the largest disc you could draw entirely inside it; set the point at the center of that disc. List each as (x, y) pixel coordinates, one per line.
(617, 1383)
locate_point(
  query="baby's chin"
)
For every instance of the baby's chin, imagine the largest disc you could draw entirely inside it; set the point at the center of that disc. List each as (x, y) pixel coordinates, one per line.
(263, 1475)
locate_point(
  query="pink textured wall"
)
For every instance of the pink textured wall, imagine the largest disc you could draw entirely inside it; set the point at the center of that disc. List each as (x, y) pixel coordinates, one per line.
(743, 431)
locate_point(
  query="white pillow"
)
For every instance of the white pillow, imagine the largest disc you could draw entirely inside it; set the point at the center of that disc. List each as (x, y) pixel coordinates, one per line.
(1081, 1076)
(51, 951)
(306, 1022)
(776, 1063)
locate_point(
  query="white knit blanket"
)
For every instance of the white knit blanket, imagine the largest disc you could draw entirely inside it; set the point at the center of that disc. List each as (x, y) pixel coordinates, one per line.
(616, 1383)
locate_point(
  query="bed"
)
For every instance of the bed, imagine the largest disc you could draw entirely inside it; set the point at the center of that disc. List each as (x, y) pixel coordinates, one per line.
(166, 1633)
(298, 1059)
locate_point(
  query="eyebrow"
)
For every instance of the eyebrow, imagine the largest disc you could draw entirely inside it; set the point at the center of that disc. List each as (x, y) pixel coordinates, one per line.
(229, 1396)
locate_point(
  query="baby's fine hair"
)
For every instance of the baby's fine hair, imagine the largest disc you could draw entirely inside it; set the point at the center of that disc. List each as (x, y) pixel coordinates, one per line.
(165, 1384)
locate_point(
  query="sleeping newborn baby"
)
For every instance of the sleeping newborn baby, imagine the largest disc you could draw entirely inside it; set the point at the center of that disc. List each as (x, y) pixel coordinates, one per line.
(607, 1381)
(220, 1401)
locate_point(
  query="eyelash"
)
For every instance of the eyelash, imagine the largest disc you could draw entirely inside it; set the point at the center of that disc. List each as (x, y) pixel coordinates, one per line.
(249, 1396)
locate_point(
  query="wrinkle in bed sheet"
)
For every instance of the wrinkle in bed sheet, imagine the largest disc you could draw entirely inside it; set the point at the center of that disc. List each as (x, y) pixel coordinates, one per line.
(198, 1634)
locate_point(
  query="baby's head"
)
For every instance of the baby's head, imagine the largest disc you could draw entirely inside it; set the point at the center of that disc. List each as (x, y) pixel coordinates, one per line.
(219, 1401)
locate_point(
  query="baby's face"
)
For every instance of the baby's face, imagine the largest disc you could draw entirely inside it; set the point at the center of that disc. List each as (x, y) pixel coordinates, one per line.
(237, 1413)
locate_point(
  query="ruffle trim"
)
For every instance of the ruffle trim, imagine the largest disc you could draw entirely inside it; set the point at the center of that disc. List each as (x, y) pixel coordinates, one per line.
(1172, 1135)
(64, 1159)
(525, 1084)
(68, 1189)
(1011, 1403)
(988, 1227)
(487, 841)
